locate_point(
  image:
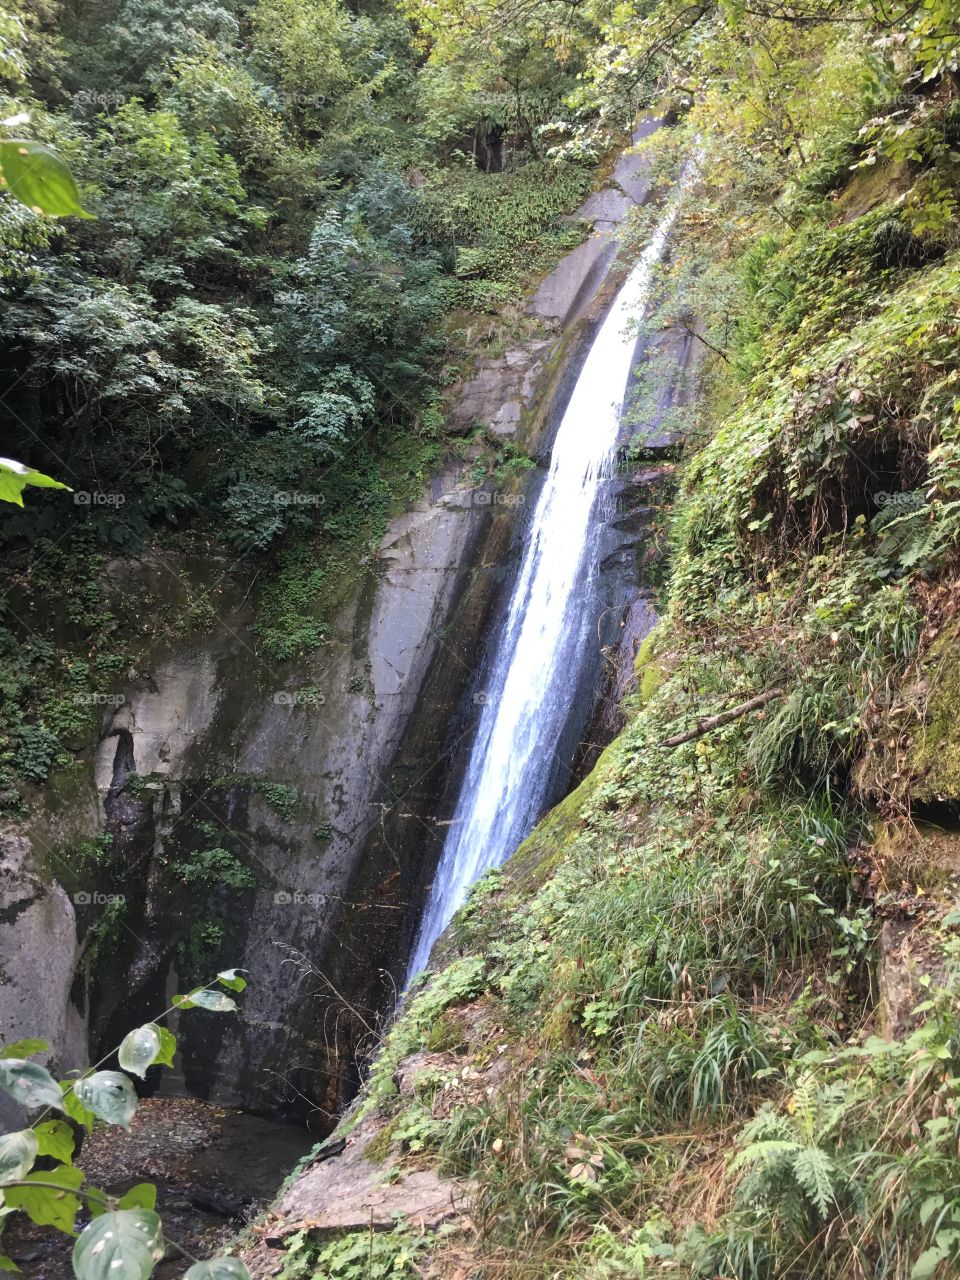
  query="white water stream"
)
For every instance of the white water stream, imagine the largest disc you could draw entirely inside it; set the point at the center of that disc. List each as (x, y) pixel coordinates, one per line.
(533, 681)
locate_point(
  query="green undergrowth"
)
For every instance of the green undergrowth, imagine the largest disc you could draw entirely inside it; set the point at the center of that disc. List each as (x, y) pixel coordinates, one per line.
(503, 230)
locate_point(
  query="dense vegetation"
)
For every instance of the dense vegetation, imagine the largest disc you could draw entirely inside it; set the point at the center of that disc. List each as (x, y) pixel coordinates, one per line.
(250, 337)
(707, 1073)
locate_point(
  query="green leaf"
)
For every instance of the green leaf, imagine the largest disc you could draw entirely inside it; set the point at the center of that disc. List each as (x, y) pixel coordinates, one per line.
(230, 978)
(23, 1048)
(124, 1244)
(139, 1049)
(109, 1095)
(141, 1196)
(17, 1154)
(931, 1205)
(927, 1263)
(28, 1082)
(74, 1108)
(168, 1047)
(55, 1138)
(215, 1001)
(218, 1269)
(13, 477)
(49, 1205)
(7, 1264)
(39, 178)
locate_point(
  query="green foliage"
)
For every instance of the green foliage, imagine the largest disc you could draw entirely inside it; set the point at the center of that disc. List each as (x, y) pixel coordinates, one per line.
(213, 866)
(39, 179)
(458, 982)
(357, 1255)
(14, 477)
(501, 230)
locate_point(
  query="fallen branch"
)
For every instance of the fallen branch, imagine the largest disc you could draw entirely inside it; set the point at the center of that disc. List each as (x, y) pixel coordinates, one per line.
(716, 722)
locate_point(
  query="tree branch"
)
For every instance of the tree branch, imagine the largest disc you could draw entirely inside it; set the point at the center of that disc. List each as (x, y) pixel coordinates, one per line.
(707, 723)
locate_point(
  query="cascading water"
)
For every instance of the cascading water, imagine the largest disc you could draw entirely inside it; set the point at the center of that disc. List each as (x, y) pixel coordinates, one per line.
(531, 691)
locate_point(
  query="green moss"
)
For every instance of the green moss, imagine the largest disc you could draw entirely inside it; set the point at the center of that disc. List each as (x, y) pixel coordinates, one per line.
(541, 853)
(933, 759)
(648, 672)
(281, 797)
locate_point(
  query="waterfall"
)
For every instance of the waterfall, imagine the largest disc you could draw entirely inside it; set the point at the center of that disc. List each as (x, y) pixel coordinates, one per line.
(532, 684)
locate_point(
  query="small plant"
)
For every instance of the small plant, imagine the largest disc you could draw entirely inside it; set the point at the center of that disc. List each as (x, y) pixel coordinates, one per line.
(358, 1255)
(124, 1235)
(211, 867)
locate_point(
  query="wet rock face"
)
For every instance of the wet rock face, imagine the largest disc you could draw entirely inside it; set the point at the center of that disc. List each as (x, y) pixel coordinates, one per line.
(241, 794)
(38, 954)
(567, 294)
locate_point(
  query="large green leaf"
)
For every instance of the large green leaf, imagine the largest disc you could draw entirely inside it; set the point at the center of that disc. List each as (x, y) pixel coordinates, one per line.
(125, 1244)
(55, 1138)
(168, 1047)
(52, 1204)
(141, 1196)
(17, 1154)
(39, 178)
(109, 1095)
(218, 1269)
(74, 1108)
(231, 978)
(13, 477)
(28, 1082)
(139, 1049)
(23, 1048)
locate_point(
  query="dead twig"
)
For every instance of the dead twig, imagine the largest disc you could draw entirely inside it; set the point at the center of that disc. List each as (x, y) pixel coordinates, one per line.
(724, 717)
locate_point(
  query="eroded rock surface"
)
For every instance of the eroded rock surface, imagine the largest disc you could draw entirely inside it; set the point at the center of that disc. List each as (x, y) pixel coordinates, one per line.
(348, 1192)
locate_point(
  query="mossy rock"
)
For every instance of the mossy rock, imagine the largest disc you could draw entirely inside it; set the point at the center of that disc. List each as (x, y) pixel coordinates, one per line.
(871, 187)
(539, 855)
(933, 759)
(648, 672)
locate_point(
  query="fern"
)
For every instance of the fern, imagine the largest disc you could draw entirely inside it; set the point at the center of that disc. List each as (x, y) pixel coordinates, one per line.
(790, 1165)
(816, 1174)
